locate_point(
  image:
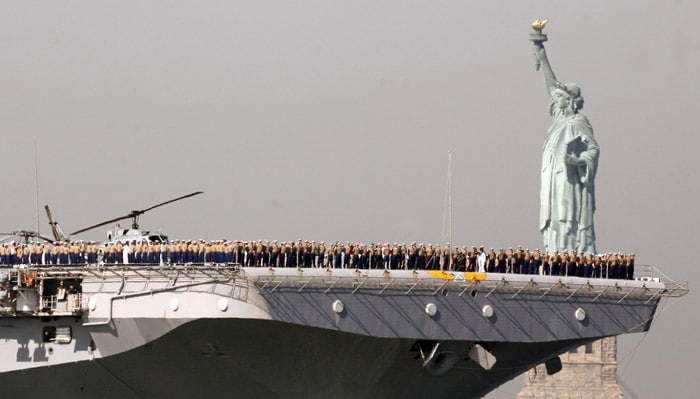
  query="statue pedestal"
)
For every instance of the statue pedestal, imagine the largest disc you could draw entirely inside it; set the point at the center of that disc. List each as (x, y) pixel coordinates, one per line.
(588, 372)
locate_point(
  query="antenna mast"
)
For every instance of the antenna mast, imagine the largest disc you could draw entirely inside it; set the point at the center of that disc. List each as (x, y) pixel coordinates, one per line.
(447, 216)
(36, 186)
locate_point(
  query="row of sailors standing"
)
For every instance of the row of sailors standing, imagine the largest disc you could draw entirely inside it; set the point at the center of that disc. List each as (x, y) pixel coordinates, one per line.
(135, 252)
(401, 256)
(318, 254)
(260, 253)
(611, 265)
(313, 254)
(73, 253)
(82, 253)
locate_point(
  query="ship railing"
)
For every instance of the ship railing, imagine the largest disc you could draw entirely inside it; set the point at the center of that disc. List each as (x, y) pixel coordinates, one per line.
(647, 273)
(123, 279)
(148, 279)
(70, 304)
(594, 289)
(108, 271)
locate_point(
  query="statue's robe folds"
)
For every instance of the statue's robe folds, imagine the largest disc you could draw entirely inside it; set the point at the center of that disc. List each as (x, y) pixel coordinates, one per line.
(567, 201)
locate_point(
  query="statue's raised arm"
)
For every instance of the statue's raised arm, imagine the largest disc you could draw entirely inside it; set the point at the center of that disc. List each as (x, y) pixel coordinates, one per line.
(538, 38)
(550, 80)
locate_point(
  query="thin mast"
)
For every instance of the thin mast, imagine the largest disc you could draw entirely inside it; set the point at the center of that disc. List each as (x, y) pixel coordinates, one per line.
(447, 216)
(449, 180)
(449, 203)
(36, 187)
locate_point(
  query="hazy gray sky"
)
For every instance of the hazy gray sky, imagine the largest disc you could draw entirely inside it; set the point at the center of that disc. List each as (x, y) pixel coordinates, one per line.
(332, 120)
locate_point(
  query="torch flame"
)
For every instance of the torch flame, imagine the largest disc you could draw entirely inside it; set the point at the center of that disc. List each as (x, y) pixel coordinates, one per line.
(538, 25)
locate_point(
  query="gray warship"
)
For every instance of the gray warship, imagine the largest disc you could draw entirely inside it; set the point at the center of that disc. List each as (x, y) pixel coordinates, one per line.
(224, 330)
(161, 331)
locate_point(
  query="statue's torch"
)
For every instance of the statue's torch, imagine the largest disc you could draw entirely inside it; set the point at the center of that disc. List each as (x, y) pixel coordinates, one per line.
(538, 38)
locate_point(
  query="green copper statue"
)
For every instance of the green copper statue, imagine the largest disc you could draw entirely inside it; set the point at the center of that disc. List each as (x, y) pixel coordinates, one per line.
(569, 163)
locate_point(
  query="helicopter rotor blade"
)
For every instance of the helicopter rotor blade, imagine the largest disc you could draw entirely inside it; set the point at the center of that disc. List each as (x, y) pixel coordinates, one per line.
(101, 224)
(46, 239)
(51, 223)
(135, 214)
(55, 229)
(25, 235)
(172, 200)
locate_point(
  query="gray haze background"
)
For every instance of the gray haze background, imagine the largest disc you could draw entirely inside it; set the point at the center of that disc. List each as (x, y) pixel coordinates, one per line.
(332, 120)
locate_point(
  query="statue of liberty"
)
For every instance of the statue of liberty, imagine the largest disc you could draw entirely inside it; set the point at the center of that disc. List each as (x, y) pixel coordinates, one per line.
(569, 163)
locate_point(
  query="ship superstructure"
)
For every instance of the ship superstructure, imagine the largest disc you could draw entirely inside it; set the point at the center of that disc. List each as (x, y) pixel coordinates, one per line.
(223, 330)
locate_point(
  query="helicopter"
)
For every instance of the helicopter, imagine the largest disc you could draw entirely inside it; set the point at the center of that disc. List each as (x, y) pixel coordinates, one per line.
(118, 234)
(25, 236)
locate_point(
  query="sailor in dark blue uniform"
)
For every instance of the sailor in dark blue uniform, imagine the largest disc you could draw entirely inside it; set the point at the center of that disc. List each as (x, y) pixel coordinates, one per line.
(629, 266)
(378, 257)
(412, 256)
(537, 263)
(588, 267)
(355, 258)
(340, 258)
(363, 257)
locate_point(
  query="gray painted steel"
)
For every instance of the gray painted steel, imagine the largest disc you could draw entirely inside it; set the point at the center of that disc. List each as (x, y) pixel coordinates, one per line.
(220, 358)
(223, 331)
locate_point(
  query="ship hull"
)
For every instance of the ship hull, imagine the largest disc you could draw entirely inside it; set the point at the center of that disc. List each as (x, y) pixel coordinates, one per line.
(220, 332)
(222, 358)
